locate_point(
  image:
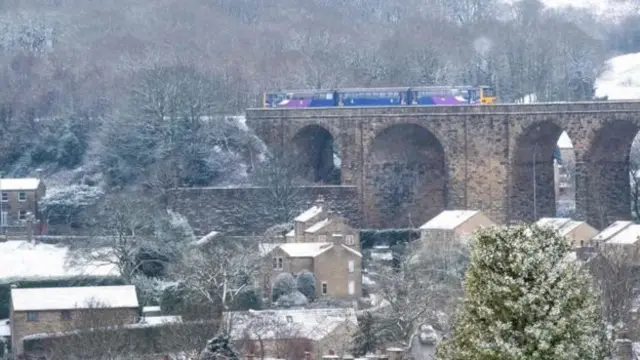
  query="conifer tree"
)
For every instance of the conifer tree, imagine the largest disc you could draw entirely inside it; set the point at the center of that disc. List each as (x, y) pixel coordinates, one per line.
(525, 300)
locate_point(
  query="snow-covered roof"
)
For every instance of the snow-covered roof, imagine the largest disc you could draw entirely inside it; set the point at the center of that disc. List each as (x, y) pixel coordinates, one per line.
(449, 219)
(314, 324)
(150, 309)
(562, 225)
(67, 298)
(20, 260)
(309, 214)
(352, 250)
(291, 233)
(305, 249)
(628, 235)
(266, 248)
(612, 230)
(158, 320)
(5, 328)
(19, 184)
(317, 226)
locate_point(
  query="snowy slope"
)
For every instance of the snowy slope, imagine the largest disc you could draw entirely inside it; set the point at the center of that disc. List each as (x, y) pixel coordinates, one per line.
(603, 9)
(621, 80)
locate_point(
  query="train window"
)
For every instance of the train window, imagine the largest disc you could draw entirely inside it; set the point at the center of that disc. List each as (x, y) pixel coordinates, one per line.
(329, 96)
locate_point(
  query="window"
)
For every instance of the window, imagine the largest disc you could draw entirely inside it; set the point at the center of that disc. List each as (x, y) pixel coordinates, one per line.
(324, 288)
(352, 266)
(350, 240)
(32, 316)
(277, 263)
(289, 319)
(22, 215)
(22, 196)
(4, 218)
(322, 238)
(352, 287)
(5, 197)
(65, 315)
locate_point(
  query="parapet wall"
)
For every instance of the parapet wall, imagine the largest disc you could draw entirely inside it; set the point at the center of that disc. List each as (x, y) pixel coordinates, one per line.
(252, 210)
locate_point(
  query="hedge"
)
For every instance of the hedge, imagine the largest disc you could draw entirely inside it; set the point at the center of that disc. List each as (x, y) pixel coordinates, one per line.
(371, 237)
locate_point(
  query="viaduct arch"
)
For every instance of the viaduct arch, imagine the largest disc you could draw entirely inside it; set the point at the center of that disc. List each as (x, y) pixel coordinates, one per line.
(409, 163)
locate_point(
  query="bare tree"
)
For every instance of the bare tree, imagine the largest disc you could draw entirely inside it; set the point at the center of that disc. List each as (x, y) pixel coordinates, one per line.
(216, 270)
(423, 289)
(127, 226)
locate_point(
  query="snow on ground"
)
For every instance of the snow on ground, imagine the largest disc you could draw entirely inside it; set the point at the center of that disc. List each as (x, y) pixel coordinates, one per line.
(621, 80)
(5, 328)
(23, 260)
(604, 9)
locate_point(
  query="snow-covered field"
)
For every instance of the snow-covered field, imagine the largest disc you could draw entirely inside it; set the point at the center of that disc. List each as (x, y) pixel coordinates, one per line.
(603, 9)
(20, 260)
(621, 80)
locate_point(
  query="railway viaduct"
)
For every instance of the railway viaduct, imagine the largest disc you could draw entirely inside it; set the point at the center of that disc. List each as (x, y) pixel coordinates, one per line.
(409, 163)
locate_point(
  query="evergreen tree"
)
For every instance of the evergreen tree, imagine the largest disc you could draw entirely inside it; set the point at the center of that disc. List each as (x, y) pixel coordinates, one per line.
(524, 300)
(306, 283)
(220, 347)
(283, 285)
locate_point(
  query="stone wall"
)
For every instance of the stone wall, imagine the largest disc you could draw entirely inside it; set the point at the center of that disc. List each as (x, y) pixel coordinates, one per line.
(248, 211)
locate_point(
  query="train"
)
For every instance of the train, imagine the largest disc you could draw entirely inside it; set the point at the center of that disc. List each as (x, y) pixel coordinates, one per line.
(388, 96)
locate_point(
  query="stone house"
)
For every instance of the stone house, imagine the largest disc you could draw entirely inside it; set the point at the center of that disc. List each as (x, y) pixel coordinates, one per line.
(336, 267)
(20, 197)
(55, 310)
(620, 240)
(321, 242)
(454, 224)
(579, 233)
(288, 334)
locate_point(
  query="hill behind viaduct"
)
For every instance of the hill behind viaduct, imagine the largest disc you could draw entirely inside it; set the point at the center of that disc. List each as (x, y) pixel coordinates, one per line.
(410, 163)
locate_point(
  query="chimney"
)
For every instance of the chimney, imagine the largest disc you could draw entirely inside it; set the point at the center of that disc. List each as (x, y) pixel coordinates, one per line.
(319, 201)
(38, 173)
(395, 353)
(347, 357)
(623, 349)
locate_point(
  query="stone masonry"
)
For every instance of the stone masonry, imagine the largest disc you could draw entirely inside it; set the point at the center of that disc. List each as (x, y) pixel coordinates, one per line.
(409, 163)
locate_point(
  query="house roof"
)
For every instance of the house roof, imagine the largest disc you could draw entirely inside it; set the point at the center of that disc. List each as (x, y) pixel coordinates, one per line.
(291, 233)
(317, 226)
(305, 249)
(449, 219)
(562, 225)
(19, 184)
(266, 248)
(68, 298)
(612, 230)
(309, 214)
(314, 324)
(628, 235)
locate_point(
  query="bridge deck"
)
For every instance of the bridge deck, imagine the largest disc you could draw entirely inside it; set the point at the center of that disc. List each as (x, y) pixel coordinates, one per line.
(413, 110)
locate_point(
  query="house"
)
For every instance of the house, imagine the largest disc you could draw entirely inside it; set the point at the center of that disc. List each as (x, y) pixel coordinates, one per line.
(321, 242)
(336, 267)
(55, 310)
(320, 224)
(454, 224)
(610, 232)
(579, 233)
(20, 197)
(623, 244)
(287, 334)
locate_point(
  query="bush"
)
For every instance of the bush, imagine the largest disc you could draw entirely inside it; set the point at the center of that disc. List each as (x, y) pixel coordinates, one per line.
(292, 299)
(247, 299)
(284, 284)
(306, 283)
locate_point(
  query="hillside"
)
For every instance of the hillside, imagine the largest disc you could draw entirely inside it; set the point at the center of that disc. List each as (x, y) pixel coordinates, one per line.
(77, 76)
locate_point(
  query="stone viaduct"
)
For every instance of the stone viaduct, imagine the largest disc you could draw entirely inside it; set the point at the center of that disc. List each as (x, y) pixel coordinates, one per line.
(409, 163)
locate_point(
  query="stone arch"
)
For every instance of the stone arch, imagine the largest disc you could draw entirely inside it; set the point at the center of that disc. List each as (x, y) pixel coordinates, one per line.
(605, 187)
(537, 178)
(405, 176)
(317, 154)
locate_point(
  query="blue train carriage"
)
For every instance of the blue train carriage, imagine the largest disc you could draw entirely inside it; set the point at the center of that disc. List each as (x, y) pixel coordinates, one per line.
(451, 95)
(388, 96)
(299, 99)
